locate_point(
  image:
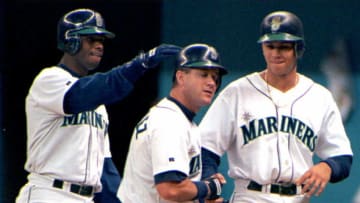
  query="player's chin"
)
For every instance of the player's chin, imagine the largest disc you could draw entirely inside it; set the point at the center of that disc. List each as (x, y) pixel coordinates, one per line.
(207, 99)
(93, 65)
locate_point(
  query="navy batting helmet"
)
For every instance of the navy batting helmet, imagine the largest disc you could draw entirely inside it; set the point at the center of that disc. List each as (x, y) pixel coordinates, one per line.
(283, 26)
(76, 23)
(200, 56)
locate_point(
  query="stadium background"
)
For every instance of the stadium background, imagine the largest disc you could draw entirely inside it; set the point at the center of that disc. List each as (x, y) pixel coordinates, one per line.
(28, 43)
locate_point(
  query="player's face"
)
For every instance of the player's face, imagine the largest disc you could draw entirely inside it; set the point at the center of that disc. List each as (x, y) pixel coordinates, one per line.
(91, 51)
(199, 87)
(280, 57)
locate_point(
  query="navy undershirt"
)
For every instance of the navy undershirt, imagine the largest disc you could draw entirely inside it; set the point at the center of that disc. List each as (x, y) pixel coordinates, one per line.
(91, 91)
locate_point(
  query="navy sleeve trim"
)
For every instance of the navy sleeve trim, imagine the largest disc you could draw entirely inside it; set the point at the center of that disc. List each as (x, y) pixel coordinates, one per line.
(340, 167)
(170, 176)
(210, 163)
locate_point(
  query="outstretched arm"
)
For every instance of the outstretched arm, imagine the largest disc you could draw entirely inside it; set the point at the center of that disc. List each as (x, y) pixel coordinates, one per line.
(105, 88)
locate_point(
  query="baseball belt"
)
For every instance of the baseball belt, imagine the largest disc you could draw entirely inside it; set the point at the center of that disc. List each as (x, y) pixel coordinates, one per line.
(83, 190)
(290, 189)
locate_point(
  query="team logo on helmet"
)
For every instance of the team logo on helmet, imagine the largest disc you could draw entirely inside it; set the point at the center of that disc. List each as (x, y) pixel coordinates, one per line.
(213, 54)
(275, 23)
(99, 20)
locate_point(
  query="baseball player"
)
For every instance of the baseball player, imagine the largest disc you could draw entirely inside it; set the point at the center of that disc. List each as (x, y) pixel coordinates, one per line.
(164, 163)
(271, 123)
(67, 135)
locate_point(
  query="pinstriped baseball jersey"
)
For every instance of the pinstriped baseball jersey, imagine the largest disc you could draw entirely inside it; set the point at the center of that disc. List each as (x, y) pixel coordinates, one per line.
(164, 140)
(271, 136)
(75, 144)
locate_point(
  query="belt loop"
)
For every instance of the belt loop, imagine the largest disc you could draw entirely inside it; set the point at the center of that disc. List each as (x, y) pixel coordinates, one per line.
(266, 188)
(58, 183)
(299, 189)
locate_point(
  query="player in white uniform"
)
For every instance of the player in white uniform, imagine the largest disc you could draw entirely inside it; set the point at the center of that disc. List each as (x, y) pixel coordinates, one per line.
(67, 143)
(164, 162)
(271, 124)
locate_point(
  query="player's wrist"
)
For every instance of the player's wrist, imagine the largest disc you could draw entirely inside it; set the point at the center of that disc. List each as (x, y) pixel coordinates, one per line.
(203, 190)
(214, 188)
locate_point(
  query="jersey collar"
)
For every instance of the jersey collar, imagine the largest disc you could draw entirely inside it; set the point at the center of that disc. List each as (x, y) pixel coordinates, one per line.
(189, 114)
(69, 70)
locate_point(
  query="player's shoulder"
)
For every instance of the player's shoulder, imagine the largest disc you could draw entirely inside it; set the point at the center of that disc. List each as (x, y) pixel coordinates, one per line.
(165, 112)
(242, 82)
(52, 71)
(313, 86)
(52, 76)
(167, 109)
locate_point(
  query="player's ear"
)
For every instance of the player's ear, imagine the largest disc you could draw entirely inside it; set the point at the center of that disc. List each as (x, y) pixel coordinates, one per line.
(179, 76)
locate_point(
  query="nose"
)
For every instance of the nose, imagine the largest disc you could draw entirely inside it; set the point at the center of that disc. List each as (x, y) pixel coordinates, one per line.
(212, 82)
(99, 46)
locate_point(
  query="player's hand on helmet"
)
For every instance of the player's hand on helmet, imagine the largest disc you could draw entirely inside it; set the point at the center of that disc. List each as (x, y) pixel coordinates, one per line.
(315, 179)
(156, 55)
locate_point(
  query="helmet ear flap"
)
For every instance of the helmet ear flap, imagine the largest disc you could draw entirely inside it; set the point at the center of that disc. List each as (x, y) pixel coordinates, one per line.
(76, 23)
(299, 49)
(72, 45)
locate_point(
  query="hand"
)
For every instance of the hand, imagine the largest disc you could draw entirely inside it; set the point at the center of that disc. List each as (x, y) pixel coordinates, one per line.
(220, 177)
(156, 55)
(218, 200)
(315, 179)
(215, 184)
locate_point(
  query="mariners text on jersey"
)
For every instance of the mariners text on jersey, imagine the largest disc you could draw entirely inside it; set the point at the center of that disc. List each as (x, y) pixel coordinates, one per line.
(88, 117)
(265, 126)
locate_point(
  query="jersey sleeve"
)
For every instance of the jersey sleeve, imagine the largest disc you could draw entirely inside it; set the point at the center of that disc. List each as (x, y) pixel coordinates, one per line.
(333, 140)
(169, 145)
(49, 88)
(169, 149)
(216, 127)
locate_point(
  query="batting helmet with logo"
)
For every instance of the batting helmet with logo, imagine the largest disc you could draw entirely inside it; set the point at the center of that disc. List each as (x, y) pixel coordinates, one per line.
(76, 23)
(283, 26)
(200, 56)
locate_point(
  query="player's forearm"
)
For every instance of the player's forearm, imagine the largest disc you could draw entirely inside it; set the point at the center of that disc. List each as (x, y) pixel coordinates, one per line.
(187, 190)
(91, 91)
(177, 191)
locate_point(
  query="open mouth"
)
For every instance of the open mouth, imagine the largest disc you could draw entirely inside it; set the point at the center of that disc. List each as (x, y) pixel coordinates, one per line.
(209, 92)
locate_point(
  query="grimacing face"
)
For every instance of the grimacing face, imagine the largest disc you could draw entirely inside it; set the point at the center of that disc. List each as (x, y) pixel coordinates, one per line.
(280, 56)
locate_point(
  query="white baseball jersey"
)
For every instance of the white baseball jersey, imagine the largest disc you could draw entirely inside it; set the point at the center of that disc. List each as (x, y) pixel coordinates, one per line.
(271, 136)
(66, 147)
(164, 140)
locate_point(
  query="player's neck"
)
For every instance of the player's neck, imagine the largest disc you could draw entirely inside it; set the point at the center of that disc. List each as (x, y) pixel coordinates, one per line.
(180, 97)
(282, 82)
(69, 62)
